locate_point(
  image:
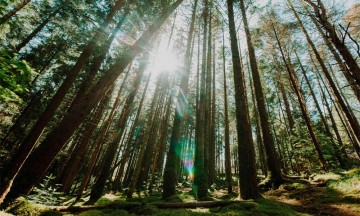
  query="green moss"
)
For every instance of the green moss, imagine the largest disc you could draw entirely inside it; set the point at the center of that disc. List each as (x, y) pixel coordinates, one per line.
(174, 198)
(23, 207)
(107, 212)
(259, 207)
(146, 209)
(178, 212)
(51, 213)
(103, 201)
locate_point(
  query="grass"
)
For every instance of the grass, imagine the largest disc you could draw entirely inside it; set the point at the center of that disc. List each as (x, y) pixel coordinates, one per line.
(338, 193)
(259, 208)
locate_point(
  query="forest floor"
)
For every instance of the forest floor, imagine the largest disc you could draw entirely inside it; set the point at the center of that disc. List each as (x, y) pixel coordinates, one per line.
(335, 193)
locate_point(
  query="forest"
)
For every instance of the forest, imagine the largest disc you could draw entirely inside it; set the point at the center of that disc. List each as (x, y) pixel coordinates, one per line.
(179, 107)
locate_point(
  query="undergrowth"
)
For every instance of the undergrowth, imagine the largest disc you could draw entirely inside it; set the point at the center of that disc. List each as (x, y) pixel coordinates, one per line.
(337, 188)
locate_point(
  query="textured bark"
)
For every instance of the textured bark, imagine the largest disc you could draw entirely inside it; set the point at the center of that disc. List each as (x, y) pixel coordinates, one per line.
(273, 175)
(200, 182)
(246, 153)
(77, 113)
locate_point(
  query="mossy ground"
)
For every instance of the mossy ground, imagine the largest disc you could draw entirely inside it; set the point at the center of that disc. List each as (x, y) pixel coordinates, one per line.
(326, 194)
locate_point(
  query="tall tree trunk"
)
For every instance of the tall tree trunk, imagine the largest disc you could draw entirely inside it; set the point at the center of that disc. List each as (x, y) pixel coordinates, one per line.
(27, 146)
(140, 159)
(333, 122)
(158, 99)
(50, 147)
(295, 82)
(227, 128)
(355, 142)
(200, 182)
(352, 82)
(246, 153)
(25, 41)
(323, 120)
(99, 141)
(73, 164)
(207, 103)
(337, 96)
(273, 175)
(320, 13)
(160, 151)
(111, 151)
(170, 173)
(127, 149)
(212, 141)
(12, 12)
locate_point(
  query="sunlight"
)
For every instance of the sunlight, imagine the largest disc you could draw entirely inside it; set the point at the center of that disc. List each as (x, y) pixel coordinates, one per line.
(165, 61)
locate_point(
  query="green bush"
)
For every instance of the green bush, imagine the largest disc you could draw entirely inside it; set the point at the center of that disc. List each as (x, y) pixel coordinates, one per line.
(15, 77)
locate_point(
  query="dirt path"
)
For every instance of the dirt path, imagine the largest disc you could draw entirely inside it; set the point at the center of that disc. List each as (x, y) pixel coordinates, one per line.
(316, 200)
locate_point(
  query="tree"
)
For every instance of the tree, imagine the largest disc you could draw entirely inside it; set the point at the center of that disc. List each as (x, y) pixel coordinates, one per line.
(76, 114)
(12, 12)
(170, 165)
(273, 174)
(246, 153)
(227, 130)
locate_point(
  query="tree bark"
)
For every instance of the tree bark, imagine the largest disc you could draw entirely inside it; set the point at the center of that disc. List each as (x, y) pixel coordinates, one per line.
(200, 178)
(273, 175)
(246, 153)
(295, 82)
(111, 151)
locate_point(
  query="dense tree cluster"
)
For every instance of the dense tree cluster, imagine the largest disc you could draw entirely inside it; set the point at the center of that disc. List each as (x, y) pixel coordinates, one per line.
(130, 95)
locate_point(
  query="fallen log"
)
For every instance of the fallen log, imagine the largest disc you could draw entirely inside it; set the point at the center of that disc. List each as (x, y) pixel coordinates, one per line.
(202, 204)
(132, 205)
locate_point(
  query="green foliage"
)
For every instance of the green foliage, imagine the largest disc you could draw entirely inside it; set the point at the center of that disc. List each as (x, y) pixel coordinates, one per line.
(15, 77)
(47, 193)
(348, 184)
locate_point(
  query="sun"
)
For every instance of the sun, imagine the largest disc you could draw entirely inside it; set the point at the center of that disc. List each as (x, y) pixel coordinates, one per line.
(165, 61)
